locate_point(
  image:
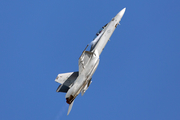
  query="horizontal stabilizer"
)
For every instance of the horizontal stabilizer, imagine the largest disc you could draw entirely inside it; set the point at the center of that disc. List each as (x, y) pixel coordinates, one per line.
(62, 88)
(66, 80)
(61, 78)
(70, 107)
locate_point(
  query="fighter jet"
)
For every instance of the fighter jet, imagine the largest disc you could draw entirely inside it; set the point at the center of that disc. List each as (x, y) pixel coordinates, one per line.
(73, 83)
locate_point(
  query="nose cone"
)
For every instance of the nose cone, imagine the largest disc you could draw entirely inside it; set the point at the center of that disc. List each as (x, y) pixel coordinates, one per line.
(121, 13)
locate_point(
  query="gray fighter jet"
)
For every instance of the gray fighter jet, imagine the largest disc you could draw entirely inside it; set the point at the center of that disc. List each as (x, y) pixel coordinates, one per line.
(75, 82)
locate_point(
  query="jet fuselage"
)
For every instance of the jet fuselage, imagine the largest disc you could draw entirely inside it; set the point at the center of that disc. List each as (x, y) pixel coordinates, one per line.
(75, 82)
(90, 66)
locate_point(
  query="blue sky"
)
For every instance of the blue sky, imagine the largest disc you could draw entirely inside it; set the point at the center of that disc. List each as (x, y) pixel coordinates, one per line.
(138, 77)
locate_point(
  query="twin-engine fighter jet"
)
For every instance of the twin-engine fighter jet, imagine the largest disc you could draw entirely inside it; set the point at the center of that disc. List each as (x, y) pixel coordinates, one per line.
(75, 82)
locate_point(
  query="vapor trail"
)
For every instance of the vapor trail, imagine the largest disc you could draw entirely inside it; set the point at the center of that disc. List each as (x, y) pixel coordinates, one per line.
(61, 112)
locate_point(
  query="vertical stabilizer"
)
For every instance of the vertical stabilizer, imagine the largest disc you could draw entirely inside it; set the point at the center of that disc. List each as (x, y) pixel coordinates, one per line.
(70, 107)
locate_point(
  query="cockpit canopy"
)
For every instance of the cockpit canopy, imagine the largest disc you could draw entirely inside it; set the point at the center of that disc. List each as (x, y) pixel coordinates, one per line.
(97, 38)
(100, 30)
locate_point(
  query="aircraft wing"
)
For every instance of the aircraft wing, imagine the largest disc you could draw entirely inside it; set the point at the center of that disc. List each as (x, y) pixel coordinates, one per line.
(84, 59)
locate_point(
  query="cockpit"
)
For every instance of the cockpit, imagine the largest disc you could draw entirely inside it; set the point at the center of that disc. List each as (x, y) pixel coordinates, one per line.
(97, 38)
(100, 30)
